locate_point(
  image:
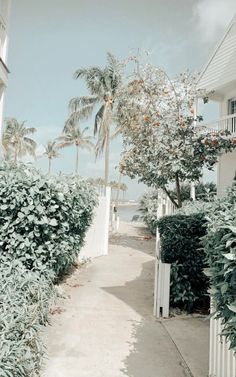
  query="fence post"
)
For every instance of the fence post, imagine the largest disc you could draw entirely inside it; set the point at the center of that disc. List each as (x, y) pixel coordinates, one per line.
(107, 219)
(162, 284)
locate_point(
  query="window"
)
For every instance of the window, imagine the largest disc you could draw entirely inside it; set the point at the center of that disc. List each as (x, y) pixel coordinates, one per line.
(232, 106)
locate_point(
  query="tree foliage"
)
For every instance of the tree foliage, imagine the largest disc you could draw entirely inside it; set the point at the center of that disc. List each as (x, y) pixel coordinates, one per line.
(51, 151)
(161, 140)
(16, 141)
(220, 248)
(72, 135)
(103, 85)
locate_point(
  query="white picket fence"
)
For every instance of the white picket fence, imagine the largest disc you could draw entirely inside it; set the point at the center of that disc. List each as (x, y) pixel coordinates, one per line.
(162, 284)
(222, 361)
(162, 270)
(96, 242)
(165, 206)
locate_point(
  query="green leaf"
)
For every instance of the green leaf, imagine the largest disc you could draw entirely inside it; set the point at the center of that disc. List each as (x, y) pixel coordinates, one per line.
(53, 222)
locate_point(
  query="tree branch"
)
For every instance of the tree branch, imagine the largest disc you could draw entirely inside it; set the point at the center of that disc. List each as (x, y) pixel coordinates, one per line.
(170, 197)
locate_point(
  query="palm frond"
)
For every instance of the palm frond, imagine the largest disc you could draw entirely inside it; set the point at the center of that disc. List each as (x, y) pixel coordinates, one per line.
(15, 140)
(94, 79)
(29, 130)
(82, 113)
(100, 146)
(98, 118)
(51, 149)
(77, 102)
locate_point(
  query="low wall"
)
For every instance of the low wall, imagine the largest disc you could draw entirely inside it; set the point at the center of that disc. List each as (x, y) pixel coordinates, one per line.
(96, 242)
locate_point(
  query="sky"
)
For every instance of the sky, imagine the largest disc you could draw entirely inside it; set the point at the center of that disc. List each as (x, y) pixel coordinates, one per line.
(49, 40)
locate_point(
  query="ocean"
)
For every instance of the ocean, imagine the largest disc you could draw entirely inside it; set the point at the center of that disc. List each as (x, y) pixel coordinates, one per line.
(126, 212)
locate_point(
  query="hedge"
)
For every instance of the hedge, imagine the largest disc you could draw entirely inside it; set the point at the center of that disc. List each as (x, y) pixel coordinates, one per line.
(180, 237)
(43, 222)
(220, 248)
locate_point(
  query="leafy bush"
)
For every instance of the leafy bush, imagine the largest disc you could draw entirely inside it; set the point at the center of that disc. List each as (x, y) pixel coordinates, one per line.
(180, 237)
(220, 248)
(25, 298)
(43, 219)
(204, 192)
(148, 206)
(197, 206)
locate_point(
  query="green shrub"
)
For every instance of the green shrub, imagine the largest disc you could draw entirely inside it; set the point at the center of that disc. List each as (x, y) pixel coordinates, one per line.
(180, 237)
(25, 297)
(148, 207)
(43, 219)
(203, 191)
(220, 248)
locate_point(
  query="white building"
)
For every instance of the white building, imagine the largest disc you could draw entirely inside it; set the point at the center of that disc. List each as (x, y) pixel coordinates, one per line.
(219, 76)
(4, 27)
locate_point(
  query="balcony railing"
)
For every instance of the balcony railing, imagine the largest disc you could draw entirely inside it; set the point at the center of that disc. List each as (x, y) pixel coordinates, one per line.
(226, 123)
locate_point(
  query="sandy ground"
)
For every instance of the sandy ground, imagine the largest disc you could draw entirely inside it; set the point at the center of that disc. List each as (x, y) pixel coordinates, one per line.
(105, 328)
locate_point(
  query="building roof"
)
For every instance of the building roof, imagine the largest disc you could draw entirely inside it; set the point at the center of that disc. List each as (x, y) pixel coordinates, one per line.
(220, 69)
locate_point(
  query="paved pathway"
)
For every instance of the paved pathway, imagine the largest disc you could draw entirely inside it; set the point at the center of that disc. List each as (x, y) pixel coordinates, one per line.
(105, 327)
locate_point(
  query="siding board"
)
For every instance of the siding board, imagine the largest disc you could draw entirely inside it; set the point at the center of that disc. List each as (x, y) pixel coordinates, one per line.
(221, 69)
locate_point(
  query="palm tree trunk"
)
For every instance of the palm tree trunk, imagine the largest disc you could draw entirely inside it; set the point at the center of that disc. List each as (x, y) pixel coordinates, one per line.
(49, 165)
(107, 147)
(77, 160)
(118, 189)
(15, 156)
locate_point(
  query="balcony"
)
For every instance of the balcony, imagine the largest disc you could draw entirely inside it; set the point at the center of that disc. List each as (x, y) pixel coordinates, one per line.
(226, 123)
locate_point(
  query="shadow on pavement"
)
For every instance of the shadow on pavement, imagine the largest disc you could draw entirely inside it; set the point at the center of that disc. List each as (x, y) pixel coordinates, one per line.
(153, 353)
(143, 241)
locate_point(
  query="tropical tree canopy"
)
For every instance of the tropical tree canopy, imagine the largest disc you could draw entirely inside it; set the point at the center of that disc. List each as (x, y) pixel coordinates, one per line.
(162, 142)
(16, 141)
(72, 135)
(103, 85)
(51, 151)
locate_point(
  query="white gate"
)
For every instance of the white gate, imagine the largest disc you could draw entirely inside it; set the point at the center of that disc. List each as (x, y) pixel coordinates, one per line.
(222, 361)
(165, 206)
(96, 242)
(162, 284)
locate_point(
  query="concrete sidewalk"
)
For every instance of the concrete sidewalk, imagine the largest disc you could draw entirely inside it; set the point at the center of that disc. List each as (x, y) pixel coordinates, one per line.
(105, 327)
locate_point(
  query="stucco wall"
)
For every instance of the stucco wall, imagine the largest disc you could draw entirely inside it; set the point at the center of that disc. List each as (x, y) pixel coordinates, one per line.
(96, 243)
(225, 172)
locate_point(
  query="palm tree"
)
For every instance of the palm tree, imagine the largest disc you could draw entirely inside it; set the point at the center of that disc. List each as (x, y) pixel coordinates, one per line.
(103, 85)
(72, 135)
(113, 186)
(15, 140)
(51, 151)
(101, 184)
(124, 188)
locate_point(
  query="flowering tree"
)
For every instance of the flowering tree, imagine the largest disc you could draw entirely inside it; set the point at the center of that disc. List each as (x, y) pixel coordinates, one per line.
(162, 142)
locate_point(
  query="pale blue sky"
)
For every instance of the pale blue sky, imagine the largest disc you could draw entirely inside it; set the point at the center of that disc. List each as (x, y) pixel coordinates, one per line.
(49, 40)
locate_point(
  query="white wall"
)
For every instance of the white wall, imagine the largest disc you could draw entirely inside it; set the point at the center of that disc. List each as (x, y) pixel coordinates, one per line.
(96, 243)
(226, 167)
(226, 171)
